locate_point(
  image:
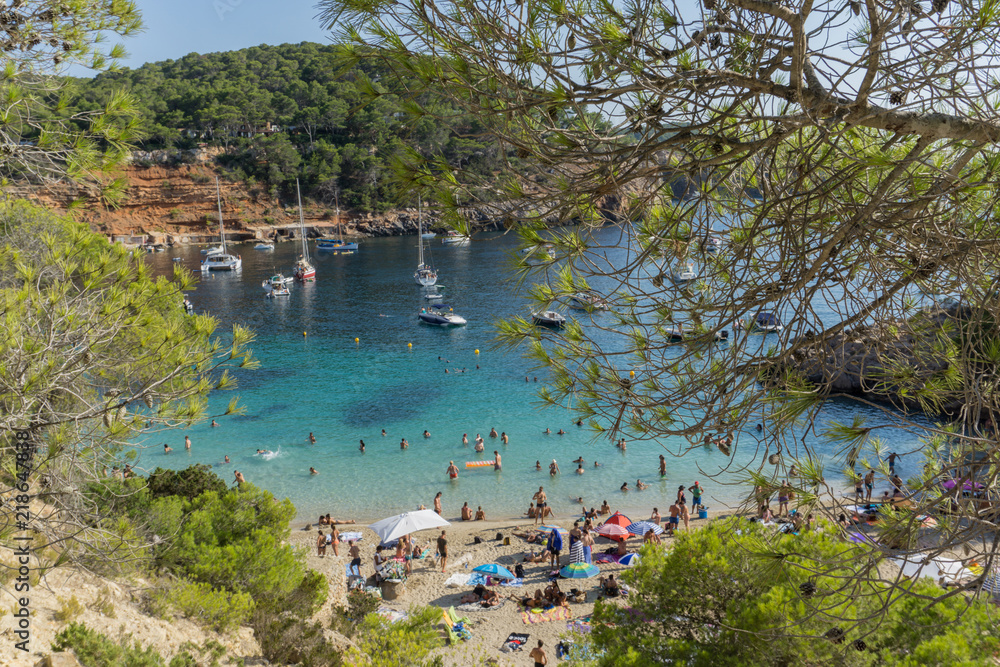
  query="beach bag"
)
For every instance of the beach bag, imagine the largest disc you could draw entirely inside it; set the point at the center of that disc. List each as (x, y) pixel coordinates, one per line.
(519, 571)
(477, 540)
(506, 541)
(499, 537)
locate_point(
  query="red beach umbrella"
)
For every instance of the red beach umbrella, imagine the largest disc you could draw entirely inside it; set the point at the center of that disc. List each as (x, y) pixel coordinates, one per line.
(613, 531)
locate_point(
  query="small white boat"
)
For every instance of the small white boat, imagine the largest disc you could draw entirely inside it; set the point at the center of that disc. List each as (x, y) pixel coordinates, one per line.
(713, 244)
(221, 260)
(536, 256)
(424, 275)
(212, 251)
(441, 314)
(677, 334)
(303, 269)
(683, 276)
(178, 259)
(278, 290)
(433, 295)
(454, 238)
(428, 235)
(766, 323)
(549, 318)
(588, 301)
(263, 245)
(277, 281)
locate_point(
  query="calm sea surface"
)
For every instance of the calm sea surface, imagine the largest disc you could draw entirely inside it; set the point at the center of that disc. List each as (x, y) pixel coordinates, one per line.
(345, 392)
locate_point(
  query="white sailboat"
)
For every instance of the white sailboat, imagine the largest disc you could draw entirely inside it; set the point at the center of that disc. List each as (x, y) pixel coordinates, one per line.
(221, 261)
(424, 274)
(303, 269)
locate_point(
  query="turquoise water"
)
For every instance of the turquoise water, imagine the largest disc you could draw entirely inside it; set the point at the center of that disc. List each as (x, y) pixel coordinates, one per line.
(344, 392)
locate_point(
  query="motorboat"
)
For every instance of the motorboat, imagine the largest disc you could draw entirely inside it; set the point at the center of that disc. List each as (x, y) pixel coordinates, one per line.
(428, 235)
(549, 318)
(588, 301)
(424, 275)
(187, 305)
(766, 323)
(677, 334)
(212, 251)
(278, 290)
(433, 295)
(275, 282)
(684, 275)
(303, 270)
(536, 256)
(178, 259)
(454, 238)
(713, 244)
(222, 260)
(440, 314)
(264, 245)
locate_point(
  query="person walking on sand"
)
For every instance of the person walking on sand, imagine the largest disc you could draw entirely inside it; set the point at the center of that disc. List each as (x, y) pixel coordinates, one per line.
(442, 544)
(869, 485)
(496, 461)
(538, 655)
(452, 470)
(437, 503)
(685, 515)
(187, 442)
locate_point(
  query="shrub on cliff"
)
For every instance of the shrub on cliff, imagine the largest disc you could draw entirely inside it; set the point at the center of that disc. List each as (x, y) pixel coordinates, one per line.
(189, 483)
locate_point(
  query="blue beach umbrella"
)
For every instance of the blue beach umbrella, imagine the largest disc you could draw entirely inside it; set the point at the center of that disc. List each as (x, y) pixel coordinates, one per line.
(495, 570)
(579, 571)
(629, 559)
(642, 527)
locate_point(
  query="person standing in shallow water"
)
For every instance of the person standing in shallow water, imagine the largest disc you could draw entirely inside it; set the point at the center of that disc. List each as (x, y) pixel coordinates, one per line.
(496, 461)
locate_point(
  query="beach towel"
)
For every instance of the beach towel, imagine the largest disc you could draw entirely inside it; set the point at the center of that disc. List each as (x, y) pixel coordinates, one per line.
(475, 606)
(581, 625)
(515, 642)
(457, 580)
(554, 614)
(475, 579)
(513, 583)
(605, 558)
(347, 537)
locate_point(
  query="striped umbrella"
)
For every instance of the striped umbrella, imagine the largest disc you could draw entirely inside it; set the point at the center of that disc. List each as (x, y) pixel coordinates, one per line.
(642, 527)
(629, 559)
(549, 529)
(613, 531)
(578, 571)
(619, 519)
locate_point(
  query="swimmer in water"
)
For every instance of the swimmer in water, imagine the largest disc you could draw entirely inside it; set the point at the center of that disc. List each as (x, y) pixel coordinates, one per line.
(493, 433)
(167, 448)
(452, 470)
(465, 438)
(362, 447)
(383, 433)
(538, 465)
(213, 423)
(579, 460)
(579, 422)
(579, 469)
(313, 471)
(639, 485)
(427, 433)
(403, 444)
(312, 438)
(479, 446)
(624, 486)
(560, 432)
(596, 464)
(187, 442)
(227, 458)
(547, 431)
(503, 437)
(239, 477)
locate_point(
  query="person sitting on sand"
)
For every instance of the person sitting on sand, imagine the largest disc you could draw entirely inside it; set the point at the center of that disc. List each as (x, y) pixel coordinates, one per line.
(639, 485)
(541, 557)
(650, 537)
(480, 514)
(579, 469)
(591, 514)
(531, 511)
(610, 586)
(466, 512)
(552, 591)
(605, 508)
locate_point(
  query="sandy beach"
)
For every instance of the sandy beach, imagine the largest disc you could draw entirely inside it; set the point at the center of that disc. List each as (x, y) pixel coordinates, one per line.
(426, 584)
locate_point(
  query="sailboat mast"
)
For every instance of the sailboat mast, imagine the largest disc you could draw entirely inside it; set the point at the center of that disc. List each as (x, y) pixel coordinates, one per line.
(420, 233)
(218, 199)
(302, 222)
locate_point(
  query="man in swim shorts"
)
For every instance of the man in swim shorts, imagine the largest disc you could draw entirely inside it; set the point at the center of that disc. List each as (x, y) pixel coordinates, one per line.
(321, 545)
(355, 555)
(496, 460)
(442, 545)
(452, 470)
(673, 521)
(663, 466)
(539, 499)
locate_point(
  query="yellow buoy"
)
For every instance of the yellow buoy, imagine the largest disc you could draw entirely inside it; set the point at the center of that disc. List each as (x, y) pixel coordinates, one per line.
(631, 373)
(477, 351)
(409, 345)
(304, 333)
(356, 341)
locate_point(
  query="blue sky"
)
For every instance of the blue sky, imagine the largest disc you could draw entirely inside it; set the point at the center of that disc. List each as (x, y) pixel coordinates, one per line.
(175, 28)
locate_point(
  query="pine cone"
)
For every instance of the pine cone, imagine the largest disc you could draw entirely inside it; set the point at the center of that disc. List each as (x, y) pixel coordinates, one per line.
(897, 97)
(122, 413)
(859, 644)
(856, 8)
(107, 419)
(807, 589)
(938, 6)
(709, 4)
(148, 400)
(774, 459)
(715, 42)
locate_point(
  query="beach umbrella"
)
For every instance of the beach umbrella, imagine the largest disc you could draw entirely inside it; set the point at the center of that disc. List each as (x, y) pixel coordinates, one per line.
(642, 527)
(495, 570)
(967, 486)
(614, 531)
(619, 519)
(549, 529)
(579, 571)
(406, 523)
(629, 559)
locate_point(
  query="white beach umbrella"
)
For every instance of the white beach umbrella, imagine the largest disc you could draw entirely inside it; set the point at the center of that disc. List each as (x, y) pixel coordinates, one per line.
(408, 522)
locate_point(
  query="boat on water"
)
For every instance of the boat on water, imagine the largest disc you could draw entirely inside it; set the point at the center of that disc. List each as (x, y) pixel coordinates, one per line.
(264, 245)
(442, 315)
(765, 323)
(588, 301)
(278, 290)
(337, 245)
(276, 282)
(433, 295)
(178, 259)
(677, 335)
(428, 235)
(684, 275)
(713, 244)
(303, 270)
(549, 318)
(187, 305)
(454, 238)
(424, 275)
(222, 260)
(536, 256)
(212, 251)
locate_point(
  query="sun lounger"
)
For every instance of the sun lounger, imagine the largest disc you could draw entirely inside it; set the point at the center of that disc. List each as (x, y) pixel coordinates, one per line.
(455, 626)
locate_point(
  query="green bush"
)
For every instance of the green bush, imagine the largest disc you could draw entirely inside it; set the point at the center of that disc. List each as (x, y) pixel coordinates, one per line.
(68, 609)
(287, 640)
(347, 618)
(219, 609)
(188, 483)
(404, 643)
(93, 649)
